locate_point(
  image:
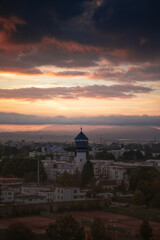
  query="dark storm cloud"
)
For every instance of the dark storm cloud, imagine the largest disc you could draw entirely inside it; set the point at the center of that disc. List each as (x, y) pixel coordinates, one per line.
(133, 25)
(95, 91)
(119, 31)
(112, 120)
(42, 17)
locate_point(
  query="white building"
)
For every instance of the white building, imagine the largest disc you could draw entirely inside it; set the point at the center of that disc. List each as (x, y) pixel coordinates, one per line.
(6, 196)
(29, 199)
(55, 168)
(45, 193)
(153, 162)
(117, 153)
(68, 194)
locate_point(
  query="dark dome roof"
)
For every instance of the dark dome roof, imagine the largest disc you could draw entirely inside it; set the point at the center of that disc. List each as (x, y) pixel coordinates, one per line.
(81, 136)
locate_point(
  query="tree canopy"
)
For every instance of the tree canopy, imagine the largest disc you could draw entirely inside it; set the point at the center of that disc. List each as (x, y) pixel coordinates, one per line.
(87, 173)
(21, 168)
(65, 227)
(147, 181)
(132, 156)
(145, 230)
(67, 179)
(138, 198)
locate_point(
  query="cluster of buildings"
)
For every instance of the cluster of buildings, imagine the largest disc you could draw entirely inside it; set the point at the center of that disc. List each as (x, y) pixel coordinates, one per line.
(54, 168)
(109, 173)
(13, 190)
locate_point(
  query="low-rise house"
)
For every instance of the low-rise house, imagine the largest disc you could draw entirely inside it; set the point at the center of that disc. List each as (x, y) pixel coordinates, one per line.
(29, 199)
(6, 196)
(46, 192)
(54, 168)
(68, 194)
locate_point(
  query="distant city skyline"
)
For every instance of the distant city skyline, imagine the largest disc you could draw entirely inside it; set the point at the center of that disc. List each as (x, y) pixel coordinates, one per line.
(85, 62)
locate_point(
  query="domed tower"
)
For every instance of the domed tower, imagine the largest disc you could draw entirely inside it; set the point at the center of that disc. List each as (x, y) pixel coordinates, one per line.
(81, 142)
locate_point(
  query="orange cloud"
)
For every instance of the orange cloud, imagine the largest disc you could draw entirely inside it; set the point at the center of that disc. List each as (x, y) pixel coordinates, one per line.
(69, 45)
(9, 25)
(122, 53)
(67, 74)
(94, 91)
(20, 71)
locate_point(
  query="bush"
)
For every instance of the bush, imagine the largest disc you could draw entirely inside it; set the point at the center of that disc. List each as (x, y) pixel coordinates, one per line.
(145, 230)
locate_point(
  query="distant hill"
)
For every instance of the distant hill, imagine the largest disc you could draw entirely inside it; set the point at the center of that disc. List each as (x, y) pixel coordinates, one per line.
(106, 134)
(138, 133)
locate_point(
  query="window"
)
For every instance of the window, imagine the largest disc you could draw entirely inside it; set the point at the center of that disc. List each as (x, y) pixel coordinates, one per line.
(75, 191)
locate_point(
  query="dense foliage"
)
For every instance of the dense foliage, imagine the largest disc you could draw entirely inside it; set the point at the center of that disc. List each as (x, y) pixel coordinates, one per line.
(145, 230)
(147, 181)
(65, 227)
(132, 156)
(87, 173)
(21, 168)
(8, 151)
(67, 179)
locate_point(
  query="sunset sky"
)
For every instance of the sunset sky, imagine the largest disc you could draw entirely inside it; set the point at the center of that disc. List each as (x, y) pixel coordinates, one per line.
(92, 62)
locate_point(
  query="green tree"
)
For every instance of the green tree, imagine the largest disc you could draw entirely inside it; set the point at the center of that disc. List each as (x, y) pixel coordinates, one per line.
(138, 198)
(132, 155)
(145, 230)
(65, 227)
(98, 230)
(64, 179)
(18, 231)
(67, 179)
(140, 174)
(146, 180)
(87, 173)
(21, 167)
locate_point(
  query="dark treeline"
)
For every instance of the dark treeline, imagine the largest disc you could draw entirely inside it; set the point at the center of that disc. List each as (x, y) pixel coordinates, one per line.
(21, 168)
